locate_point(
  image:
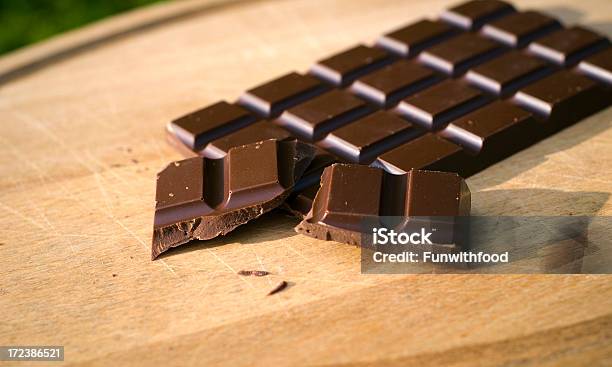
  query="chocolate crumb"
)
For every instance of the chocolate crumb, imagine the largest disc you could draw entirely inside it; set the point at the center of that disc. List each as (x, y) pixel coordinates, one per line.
(114, 275)
(282, 285)
(256, 273)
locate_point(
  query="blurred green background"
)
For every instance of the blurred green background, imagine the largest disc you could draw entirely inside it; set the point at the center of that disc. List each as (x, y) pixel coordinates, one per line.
(26, 21)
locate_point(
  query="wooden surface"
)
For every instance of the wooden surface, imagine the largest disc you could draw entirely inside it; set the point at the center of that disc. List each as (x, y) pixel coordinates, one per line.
(82, 138)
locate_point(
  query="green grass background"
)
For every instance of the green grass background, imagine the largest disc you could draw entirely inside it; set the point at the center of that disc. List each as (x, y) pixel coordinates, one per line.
(26, 21)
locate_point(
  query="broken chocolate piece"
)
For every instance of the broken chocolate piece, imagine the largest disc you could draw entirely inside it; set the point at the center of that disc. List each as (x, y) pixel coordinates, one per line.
(202, 198)
(300, 203)
(353, 195)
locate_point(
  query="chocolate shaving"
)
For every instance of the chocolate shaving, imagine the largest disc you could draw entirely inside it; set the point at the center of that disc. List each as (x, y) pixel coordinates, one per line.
(255, 273)
(282, 285)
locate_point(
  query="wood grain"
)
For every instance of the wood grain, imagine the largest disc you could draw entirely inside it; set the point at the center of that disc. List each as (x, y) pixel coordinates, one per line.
(82, 138)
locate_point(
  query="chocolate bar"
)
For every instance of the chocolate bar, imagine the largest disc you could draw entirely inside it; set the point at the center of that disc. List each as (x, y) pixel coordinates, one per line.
(202, 198)
(353, 195)
(454, 94)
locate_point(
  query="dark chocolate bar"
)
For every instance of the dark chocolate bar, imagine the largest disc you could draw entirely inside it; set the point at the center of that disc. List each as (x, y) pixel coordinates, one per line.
(202, 198)
(352, 195)
(460, 77)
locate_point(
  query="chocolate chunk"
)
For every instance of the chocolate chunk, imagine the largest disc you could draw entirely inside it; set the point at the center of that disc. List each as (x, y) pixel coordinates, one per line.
(341, 69)
(507, 73)
(493, 132)
(598, 66)
(361, 141)
(518, 29)
(428, 152)
(473, 14)
(202, 198)
(312, 175)
(352, 194)
(437, 105)
(271, 98)
(456, 55)
(386, 86)
(300, 203)
(313, 119)
(259, 131)
(200, 127)
(412, 39)
(563, 98)
(568, 46)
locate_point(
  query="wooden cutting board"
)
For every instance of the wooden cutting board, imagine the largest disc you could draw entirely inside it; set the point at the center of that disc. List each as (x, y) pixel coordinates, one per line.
(82, 137)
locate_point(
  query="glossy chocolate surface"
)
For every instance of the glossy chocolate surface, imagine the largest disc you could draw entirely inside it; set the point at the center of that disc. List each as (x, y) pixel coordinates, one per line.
(311, 120)
(386, 86)
(568, 46)
(200, 127)
(201, 198)
(362, 140)
(437, 105)
(457, 54)
(341, 69)
(598, 66)
(473, 14)
(409, 40)
(507, 73)
(271, 98)
(518, 29)
(353, 194)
